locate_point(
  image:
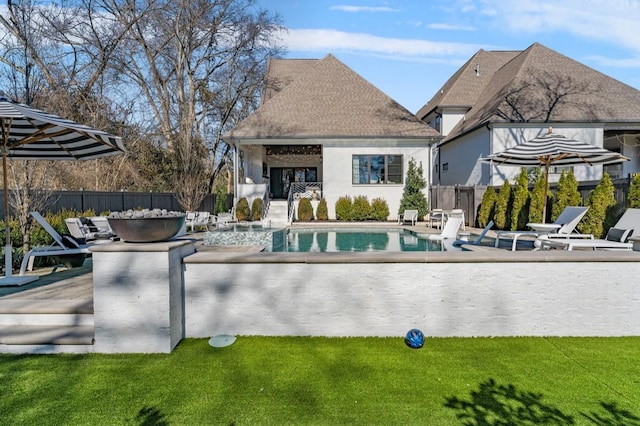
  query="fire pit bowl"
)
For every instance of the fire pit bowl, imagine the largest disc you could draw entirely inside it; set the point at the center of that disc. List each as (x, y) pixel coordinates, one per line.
(146, 229)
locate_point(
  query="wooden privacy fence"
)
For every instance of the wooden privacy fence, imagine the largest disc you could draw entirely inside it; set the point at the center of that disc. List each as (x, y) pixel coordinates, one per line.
(469, 198)
(116, 201)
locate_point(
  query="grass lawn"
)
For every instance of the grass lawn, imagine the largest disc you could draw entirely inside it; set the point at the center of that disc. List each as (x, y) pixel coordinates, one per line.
(333, 381)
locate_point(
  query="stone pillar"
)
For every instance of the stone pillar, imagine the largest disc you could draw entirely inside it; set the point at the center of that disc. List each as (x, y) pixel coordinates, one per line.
(138, 296)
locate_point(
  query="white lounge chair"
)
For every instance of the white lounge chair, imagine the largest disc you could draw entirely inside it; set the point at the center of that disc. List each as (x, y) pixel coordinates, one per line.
(563, 227)
(61, 246)
(450, 230)
(410, 216)
(480, 237)
(617, 237)
(198, 219)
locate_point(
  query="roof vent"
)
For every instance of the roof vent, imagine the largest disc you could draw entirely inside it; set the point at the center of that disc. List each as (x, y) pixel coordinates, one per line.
(477, 70)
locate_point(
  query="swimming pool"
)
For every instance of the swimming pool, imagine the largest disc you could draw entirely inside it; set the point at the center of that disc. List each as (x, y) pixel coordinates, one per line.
(358, 240)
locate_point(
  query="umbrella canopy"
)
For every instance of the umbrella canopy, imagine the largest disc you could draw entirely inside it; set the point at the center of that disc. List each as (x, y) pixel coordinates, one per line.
(31, 134)
(557, 150)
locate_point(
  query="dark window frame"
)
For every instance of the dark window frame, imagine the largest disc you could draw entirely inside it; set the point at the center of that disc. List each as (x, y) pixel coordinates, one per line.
(364, 174)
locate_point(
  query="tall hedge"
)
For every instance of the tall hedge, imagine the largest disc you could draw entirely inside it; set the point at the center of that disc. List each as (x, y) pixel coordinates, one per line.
(536, 205)
(487, 207)
(566, 195)
(601, 202)
(633, 198)
(520, 203)
(501, 215)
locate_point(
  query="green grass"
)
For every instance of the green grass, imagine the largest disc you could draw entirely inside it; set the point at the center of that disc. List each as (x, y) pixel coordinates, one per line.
(333, 381)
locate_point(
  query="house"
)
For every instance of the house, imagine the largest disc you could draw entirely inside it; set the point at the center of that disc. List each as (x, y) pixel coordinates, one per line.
(324, 131)
(498, 99)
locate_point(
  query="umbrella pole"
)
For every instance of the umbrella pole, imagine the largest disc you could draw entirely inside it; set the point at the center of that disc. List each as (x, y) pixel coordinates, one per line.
(7, 246)
(546, 190)
(9, 279)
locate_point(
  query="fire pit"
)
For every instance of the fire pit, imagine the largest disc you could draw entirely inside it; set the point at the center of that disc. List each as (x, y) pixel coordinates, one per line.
(146, 226)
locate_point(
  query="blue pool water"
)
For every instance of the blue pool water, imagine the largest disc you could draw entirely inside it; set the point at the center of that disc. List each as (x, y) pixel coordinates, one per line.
(323, 239)
(356, 240)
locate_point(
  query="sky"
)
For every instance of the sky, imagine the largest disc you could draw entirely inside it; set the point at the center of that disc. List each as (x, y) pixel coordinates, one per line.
(409, 48)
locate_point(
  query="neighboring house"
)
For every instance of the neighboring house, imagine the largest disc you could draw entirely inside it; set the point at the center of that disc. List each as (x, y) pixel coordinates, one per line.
(324, 131)
(501, 98)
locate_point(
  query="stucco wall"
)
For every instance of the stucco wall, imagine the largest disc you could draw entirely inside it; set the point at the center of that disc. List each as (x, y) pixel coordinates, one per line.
(330, 296)
(462, 155)
(337, 166)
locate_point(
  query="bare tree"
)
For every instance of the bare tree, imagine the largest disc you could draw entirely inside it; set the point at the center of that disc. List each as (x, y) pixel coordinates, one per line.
(194, 68)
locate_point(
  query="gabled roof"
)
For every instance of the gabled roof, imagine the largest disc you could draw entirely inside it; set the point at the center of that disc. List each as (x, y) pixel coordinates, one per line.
(329, 100)
(463, 88)
(519, 92)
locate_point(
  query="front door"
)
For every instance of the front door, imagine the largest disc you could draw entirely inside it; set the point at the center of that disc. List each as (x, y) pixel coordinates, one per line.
(280, 181)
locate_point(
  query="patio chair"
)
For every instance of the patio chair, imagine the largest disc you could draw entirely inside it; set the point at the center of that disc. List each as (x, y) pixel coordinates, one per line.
(563, 227)
(457, 213)
(617, 237)
(62, 245)
(410, 216)
(198, 219)
(436, 217)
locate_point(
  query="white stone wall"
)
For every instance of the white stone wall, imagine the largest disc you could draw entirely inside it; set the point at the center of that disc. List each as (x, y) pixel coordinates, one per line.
(386, 299)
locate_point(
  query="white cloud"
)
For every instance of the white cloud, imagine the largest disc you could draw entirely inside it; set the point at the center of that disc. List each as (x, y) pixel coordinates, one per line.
(615, 21)
(633, 62)
(329, 40)
(449, 27)
(355, 9)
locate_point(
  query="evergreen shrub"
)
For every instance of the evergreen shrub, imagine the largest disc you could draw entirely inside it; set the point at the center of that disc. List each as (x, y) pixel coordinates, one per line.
(243, 213)
(322, 212)
(305, 210)
(344, 206)
(379, 209)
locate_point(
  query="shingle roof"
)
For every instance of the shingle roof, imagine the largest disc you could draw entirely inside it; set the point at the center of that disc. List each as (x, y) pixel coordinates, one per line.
(329, 100)
(518, 91)
(463, 88)
(281, 72)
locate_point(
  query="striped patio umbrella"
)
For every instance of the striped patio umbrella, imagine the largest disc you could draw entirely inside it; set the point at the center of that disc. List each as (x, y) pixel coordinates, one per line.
(552, 149)
(31, 134)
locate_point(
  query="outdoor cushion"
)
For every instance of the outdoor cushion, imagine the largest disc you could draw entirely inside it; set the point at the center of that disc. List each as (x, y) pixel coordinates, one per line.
(617, 234)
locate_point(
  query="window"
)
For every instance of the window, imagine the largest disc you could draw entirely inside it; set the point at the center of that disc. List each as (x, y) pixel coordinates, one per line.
(559, 169)
(376, 169)
(445, 167)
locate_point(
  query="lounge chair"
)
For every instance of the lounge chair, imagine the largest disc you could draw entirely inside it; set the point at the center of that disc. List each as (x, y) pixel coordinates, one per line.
(410, 216)
(479, 239)
(62, 245)
(617, 237)
(197, 219)
(82, 232)
(457, 213)
(450, 230)
(563, 227)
